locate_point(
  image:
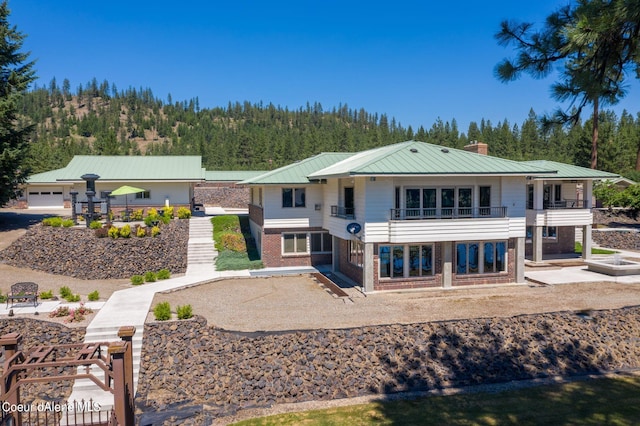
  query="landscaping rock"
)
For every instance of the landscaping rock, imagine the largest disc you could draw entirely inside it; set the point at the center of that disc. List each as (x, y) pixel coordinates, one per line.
(78, 252)
(229, 372)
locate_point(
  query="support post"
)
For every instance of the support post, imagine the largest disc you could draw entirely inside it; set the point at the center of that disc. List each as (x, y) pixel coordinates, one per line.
(447, 264)
(368, 270)
(74, 200)
(121, 399)
(586, 242)
(10, 345)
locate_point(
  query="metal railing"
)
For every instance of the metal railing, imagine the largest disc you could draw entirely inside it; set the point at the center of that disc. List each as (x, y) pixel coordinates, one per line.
(449, 213)
(565, 204)
(343, 212)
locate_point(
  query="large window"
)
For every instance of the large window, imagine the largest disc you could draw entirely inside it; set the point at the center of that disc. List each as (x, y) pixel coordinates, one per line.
(298, 243)
(293, 197)
(294, 243)
(405, 261)
(469, 255)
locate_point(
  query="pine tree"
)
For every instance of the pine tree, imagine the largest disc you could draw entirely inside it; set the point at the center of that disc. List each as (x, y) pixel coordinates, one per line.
(16, 73)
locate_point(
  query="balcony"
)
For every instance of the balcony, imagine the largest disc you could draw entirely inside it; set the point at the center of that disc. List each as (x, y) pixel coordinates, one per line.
(565, 204)
(343, 212)
(449, 213)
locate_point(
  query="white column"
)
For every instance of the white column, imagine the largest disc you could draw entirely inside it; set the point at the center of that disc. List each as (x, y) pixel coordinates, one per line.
(586, 242)
(368, 269)
(447, 264)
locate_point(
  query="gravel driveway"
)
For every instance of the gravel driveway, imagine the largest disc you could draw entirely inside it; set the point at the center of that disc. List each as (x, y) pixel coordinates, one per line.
(299, 302)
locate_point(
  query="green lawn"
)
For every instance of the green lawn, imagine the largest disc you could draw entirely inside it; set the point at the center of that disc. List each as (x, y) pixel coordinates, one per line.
(594, 402)
(593, 250)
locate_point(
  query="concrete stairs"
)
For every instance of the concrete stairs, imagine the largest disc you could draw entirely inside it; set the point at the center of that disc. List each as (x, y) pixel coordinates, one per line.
(201, 252)
(131, 307)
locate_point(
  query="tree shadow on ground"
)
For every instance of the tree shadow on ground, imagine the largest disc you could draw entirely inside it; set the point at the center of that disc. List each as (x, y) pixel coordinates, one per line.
(11, 221)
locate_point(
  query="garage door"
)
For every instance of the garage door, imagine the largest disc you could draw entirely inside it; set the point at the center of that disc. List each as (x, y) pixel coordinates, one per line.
(41, 198)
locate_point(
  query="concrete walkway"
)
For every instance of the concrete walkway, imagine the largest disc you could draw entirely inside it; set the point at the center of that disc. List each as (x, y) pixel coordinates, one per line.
(131, 306)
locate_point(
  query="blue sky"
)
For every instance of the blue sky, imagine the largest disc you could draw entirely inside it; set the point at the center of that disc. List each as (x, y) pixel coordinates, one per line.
(416, 61)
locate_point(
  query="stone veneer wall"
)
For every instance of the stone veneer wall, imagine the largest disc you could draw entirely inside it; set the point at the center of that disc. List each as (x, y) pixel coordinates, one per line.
(189, 369)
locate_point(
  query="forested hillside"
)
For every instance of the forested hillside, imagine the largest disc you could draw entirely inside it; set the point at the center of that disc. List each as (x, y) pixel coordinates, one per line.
(97, 118)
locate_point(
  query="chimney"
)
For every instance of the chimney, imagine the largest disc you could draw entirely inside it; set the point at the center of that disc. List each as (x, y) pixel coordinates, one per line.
(477, 147)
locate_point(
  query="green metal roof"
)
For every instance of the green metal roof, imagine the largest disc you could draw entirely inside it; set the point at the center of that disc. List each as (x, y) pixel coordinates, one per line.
(297, 173)
(420, 158)
(568, 171)
(46, 177)
(231, 176)
(128, 168)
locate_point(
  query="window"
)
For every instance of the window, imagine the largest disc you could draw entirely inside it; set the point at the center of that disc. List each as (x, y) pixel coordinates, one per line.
(320, 242)
(485, 201)
(294, 243)
(293, 197)
(548, 232)
(467, 257)
(493, 256)
(356, 253)
(405, 261)
(141, 195)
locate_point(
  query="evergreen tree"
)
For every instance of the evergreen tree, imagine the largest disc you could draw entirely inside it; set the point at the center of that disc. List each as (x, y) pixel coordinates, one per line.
(16, 73)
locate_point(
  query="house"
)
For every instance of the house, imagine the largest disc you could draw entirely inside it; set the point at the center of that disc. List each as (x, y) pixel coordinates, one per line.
(408, 215)
(165, 179)
(556, 205)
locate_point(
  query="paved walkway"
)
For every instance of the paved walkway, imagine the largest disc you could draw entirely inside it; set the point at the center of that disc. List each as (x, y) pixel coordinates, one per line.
(131, 306)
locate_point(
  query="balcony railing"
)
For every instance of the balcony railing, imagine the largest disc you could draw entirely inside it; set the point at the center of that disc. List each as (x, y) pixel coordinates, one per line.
(561, 205)
(449, 213)
(343, 212)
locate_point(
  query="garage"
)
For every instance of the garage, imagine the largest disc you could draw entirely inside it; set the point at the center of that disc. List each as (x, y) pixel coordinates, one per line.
(45, 198)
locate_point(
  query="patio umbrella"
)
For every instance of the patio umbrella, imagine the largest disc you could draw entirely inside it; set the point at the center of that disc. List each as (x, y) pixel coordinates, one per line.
(126, 190)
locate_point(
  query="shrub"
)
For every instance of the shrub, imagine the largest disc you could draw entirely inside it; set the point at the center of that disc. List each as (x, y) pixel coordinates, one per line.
(137, 279)
(55, 222)
(46, 295)
(155, 231)
(141, 231)
(233, 241)
(3, 298)
(184, 312)
(102, 232)
(137, 214)
(168, 211)
(113, 232)
(150, 277)
(184, 213)
(67, 223)
(162, 311)
(93, 296)
(96, 224)
(73, 298)
(125, 231)
(163, 274)
(65, 292)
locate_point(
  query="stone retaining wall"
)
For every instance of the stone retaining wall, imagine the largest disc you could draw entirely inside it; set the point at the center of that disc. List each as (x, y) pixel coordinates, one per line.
(187, 366)
(227, 195)
(77, 252)
(38, 333)
(620, 239)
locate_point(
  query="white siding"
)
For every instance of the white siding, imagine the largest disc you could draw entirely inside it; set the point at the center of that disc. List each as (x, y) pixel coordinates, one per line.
(174, 192)
(560, 217)
(275, 215)
(514, 195)
(517, 227)
(409, 231)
